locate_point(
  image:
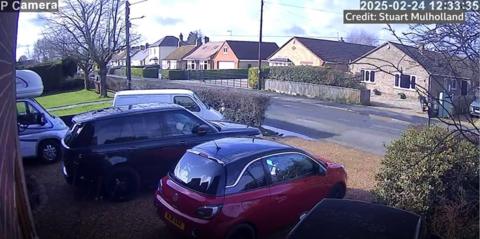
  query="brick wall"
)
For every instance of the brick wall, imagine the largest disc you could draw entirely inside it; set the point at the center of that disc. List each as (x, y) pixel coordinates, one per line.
(15, 216)
(225, 56)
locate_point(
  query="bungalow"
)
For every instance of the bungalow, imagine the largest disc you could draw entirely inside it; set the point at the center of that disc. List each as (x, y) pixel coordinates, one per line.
(393, 69)
(202, 57)
(175, 61)
(242, 54)
(317, 52)
(140, 57)
(160, 49)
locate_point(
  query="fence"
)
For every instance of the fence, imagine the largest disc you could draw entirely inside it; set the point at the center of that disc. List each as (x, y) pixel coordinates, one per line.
(323, 92)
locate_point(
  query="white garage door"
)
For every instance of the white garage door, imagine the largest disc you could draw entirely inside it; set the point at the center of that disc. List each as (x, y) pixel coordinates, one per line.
(226, 65)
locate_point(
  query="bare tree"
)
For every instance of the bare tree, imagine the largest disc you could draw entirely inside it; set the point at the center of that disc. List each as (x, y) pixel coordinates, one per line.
(97, 27)
(43, 51)
(362, 37)
(66, 46)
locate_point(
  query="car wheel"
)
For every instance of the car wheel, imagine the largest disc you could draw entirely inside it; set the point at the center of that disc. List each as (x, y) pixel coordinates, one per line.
(49, 151)
(338, 191)
(122, 184)
(242, 231)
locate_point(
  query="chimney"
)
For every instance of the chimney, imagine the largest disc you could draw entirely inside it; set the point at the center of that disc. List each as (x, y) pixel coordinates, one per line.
(341, 39)
(147, 45)
(199, 41)
(142, 47)
(206, 39)
(180, 41)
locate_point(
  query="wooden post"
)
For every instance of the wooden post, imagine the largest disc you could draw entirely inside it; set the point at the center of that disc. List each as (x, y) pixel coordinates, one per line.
(15, 215)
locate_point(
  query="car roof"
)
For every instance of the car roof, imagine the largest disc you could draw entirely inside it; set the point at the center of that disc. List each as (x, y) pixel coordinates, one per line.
(112, 112)
(229, 150)
(155, 92)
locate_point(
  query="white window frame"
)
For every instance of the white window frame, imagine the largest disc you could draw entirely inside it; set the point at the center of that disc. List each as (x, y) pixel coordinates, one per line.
(400, 80)
(225, 50)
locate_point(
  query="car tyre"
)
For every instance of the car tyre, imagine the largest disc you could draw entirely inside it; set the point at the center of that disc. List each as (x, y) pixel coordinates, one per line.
(122, 184)
(242, 231)
(338, 191)
(49, 151)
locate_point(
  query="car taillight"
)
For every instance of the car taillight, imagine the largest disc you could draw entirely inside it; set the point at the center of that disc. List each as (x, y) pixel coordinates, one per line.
(208, 212)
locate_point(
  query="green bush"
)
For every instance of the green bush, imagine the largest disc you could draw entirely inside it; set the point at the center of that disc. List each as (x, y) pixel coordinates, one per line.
(205, 74)
(253, 76)
(315, 75)
(55, 75)
(138, 72)
(428, 169)
(238, 106)
(151, 71)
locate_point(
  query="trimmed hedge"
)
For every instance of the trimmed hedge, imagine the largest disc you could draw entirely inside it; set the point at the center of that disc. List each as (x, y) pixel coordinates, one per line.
(205, 74)
(436, 174)
(238, 106)
(151, 71)
(56, 76)
(253, 76)
(315, 75)
(136, 71)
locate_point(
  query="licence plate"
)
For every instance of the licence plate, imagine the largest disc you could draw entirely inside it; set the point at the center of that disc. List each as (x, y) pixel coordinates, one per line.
(175, 221)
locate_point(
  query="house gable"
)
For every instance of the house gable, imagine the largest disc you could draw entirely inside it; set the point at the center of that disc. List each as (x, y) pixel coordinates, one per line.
(228, 55)
(297, 53)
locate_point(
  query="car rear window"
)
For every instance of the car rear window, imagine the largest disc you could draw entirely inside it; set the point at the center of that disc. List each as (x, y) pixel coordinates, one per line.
(199, 173)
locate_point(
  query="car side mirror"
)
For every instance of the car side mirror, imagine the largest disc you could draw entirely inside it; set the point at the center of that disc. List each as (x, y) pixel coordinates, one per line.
(201, 130)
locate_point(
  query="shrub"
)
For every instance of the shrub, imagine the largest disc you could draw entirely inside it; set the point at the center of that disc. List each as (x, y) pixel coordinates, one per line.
(253, 76)
(55, 75)
(315, 75)
(238, 106)
(151, 71)
(205, 74)
(138, 72)
(426, 171)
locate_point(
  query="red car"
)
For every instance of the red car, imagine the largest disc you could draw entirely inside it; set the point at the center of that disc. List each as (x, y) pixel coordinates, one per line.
(244, 188)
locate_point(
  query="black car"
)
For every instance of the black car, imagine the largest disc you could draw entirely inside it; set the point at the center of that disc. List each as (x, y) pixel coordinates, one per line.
(122, 148)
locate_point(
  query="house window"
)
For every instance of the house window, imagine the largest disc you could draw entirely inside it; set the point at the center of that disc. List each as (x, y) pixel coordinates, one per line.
(192, 65)
(451, 84)
(368, 76)
(225, 50)
(405, 81)
(204, 65)
(464, 87)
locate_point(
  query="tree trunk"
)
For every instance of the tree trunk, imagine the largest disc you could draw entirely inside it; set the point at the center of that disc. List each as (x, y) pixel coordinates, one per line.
(85, 79)
(103, 80)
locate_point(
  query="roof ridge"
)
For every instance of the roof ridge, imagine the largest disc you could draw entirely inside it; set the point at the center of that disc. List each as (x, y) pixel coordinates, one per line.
(320, 39)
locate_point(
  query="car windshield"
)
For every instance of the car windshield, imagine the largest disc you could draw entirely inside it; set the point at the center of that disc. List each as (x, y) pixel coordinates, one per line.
(200, 102)
(199, 173)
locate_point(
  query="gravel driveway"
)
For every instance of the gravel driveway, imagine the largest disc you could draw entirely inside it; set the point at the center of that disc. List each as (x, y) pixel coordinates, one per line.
(63, 212)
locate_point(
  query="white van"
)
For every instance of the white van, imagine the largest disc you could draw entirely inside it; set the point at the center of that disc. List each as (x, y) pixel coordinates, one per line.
(185, 98)
(40, 133)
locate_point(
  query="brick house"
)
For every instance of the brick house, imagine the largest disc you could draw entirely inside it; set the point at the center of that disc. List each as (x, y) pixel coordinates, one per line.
(317, 52)
(175, 61)
(242, 54)
(202, 57)
(393, 69)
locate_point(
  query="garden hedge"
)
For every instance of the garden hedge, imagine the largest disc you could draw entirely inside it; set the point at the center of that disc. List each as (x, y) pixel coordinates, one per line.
(57, 76)
(315, 75)
(205, 74)
(434, 173)
(151, 71)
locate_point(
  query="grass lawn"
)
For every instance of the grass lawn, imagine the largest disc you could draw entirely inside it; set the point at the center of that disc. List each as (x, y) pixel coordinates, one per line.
(70, 98)
(361, 166)
(80, 109)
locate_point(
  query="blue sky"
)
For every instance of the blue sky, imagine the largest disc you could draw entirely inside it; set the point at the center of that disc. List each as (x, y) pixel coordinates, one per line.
(227, 19)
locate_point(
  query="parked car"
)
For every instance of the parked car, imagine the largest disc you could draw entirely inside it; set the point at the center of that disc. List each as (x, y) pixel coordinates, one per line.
(244, 188)
(185, 98)
(121, 148)
(39, 132)
(475, 108)
(334, 218)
